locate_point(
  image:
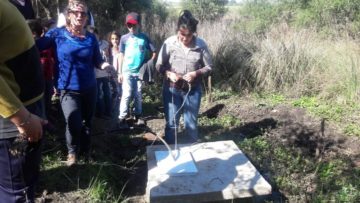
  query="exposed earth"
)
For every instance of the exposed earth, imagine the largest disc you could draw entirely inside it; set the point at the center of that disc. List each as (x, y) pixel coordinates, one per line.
(314, 138)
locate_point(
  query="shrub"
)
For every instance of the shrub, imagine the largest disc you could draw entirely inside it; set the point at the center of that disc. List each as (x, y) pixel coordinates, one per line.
(286, 59)
(231, 53)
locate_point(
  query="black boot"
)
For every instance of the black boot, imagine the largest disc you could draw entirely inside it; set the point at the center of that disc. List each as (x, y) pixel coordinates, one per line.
(123, 124)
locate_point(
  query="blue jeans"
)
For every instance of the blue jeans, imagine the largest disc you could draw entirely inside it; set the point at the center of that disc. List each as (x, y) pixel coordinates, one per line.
(78, 108)
(19, 174)
(131, 88)
(173, 99)
(103, 102)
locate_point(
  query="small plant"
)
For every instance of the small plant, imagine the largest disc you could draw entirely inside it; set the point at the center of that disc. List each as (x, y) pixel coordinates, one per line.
(224, 121)
(217, 94)
(348, 193)
(332, 112)
(327, 171)
(327, 110)
(352, 129)
(306, 102)
(277, 99)
(97, 191)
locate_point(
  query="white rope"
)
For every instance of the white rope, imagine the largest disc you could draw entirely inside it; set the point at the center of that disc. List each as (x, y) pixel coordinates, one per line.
(174, 119)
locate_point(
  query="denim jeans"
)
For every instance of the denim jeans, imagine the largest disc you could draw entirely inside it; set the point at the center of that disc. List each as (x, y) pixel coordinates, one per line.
(103, 103)
(78, 108)
(19, 174)
(173, 99)
(131, 88)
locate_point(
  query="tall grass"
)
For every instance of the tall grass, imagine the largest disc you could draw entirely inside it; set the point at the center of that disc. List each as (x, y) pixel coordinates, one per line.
(232, 51)
(295, 61)
(287, 59)
(343, 70)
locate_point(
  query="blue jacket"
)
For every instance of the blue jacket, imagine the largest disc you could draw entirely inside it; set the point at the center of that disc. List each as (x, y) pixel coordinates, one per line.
(75, 59)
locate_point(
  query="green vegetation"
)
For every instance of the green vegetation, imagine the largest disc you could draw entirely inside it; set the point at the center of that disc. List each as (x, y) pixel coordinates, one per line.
(102, 180)
(352, 129)
(206, 9)
(306, 102)
(289, 167)
(225, 121)
(263, 14)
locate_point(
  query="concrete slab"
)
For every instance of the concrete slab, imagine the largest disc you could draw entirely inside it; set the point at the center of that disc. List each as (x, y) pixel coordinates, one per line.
(175, 163)
(224, 173)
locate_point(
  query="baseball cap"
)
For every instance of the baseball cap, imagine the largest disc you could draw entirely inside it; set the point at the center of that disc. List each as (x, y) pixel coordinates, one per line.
(132, 18)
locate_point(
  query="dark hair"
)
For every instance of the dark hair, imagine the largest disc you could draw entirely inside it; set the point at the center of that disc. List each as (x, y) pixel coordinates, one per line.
(187, 21)
(114, 32)
(35, 26)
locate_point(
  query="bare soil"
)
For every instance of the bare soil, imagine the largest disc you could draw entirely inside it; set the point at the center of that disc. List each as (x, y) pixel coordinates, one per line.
(286, 125)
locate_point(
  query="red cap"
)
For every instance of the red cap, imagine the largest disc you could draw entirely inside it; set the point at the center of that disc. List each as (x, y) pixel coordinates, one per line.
(132, 18)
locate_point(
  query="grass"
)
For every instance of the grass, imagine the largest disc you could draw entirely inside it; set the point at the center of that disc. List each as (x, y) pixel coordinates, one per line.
(352, 129)
(286, 60)
(344, 116)
(99, 190)
(225, 121)
(102, 180)
(289, 168)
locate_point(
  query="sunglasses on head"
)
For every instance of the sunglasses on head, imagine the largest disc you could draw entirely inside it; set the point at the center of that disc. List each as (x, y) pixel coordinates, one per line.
(77, 13)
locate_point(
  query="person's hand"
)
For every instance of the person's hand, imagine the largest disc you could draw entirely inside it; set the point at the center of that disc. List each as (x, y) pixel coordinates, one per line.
(29, 125)
(189, 77)
(32, 129)
(120, 78)
(105, 66)
(173, 77)
(110, 69)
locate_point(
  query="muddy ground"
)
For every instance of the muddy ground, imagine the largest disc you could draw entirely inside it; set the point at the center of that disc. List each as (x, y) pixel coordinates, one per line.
(284, 124)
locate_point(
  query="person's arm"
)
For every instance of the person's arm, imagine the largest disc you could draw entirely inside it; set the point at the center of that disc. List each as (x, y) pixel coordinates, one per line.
(206, 65)
(99, 61)
(162, 63)
(153, 56)
(121, 57)
(163, 66)
(48, 40)
(120, 63)
(206, 62)
(152, 48)
(11, 108)
(44, 43)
